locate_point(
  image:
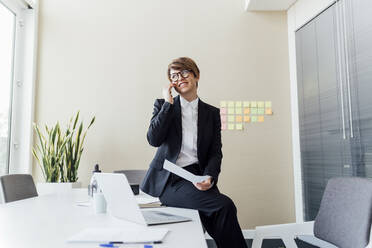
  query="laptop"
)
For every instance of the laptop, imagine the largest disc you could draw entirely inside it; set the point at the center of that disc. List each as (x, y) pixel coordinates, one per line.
(122, 204)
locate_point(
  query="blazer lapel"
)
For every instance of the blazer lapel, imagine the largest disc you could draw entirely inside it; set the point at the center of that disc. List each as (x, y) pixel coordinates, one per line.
(177, 115)
(202, 116)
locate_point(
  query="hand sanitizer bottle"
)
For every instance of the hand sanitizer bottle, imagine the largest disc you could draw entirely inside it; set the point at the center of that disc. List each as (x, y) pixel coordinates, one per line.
(93, 187)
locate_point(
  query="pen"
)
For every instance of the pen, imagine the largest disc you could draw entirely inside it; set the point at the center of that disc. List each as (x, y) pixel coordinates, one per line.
(108, 245)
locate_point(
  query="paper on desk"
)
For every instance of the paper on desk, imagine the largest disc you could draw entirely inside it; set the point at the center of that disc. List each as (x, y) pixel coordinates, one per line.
(146, 200)
(125, 234)
(169, 166)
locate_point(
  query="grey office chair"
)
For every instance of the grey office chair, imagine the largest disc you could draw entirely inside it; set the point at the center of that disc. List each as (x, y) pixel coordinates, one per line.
(345, 214)
(17, 187)
(133, 176)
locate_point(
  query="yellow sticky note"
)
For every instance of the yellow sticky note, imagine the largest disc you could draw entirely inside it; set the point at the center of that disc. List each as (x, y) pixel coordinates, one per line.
(238, 111)
(268, 104)
(246, 104)
(260, 111)
(254, 104)
(223, 104)
(230, 104)
(261, 104)
(238, 104)
(230, 111)
(247, 119)
(231, 126)
(260, 118)
(268, 111)
(230, 118)
(247, 111)
(238, 118)
(239, 126)
(254, 118)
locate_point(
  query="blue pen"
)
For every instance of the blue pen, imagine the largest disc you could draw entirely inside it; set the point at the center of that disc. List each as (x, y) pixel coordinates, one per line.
(108, 245)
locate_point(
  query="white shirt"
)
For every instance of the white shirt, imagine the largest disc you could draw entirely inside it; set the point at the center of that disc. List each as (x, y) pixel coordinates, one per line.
(189, 151)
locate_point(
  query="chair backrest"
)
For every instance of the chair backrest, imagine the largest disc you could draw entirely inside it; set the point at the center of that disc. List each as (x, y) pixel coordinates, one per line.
(344, 217)
(17, 187)
(133, 176)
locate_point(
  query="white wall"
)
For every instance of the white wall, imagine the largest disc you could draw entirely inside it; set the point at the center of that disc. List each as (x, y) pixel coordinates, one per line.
(109, 59)
(299, 14)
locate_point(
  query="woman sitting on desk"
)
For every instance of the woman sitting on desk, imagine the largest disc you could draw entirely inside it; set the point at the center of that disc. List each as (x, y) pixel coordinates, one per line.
(187, 132)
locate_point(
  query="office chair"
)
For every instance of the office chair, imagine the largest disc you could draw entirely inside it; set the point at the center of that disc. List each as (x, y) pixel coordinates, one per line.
(343, 220)
(17, 187)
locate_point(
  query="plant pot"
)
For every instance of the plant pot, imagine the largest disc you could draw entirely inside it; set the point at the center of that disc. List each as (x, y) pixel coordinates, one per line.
(56, 188)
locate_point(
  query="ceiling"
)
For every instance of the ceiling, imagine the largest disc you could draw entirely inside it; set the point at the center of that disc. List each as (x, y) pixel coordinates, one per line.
(268, 5)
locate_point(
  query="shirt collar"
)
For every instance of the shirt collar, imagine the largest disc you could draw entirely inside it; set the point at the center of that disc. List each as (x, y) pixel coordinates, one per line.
(185, 104)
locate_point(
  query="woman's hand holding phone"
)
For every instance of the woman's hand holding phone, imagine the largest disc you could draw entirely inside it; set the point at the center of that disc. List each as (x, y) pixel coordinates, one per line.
(167, 93)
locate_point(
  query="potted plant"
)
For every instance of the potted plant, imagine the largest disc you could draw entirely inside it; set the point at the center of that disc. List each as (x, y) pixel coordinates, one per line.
(58, 154)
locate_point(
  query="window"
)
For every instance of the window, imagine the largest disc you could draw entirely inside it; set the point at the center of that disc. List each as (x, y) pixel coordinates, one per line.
(18, 32)
(7, 20)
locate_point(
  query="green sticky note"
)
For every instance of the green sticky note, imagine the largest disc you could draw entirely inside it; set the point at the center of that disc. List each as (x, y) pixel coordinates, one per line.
(261, 104)
(260, 111)
(239, 126)
(230, 104)
(268, 104)
(246, 104)
(230, 111)
(254, 104)
(238, 111)
(253, 111)
(231, 126)
(231, 118)
(223, 104)
(238, 104)
(254, 119)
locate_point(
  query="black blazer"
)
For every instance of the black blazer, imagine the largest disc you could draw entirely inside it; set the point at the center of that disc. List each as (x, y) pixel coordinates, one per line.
(165, 132)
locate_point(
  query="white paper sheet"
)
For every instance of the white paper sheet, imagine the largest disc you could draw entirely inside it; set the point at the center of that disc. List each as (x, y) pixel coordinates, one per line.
(125, 235)
(169, 166)
(146, 200)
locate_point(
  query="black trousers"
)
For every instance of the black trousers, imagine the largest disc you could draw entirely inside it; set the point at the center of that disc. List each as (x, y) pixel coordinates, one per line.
(217, 211)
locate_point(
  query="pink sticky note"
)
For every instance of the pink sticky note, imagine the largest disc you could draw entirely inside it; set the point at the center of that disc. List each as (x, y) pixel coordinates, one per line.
(223, 118)
(223, 126)
(223, 111)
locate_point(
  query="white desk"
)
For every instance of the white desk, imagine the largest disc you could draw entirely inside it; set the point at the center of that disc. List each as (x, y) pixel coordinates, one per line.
(48, 221)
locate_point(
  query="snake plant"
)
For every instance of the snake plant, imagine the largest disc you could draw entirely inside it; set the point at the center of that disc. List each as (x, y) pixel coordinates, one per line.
(50, 152)
(74, 147)
(58, 153)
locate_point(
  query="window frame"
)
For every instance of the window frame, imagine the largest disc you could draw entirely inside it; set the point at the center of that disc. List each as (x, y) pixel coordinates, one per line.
(23, 85)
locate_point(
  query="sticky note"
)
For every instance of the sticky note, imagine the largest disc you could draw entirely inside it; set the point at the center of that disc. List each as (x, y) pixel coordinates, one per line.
(223, 118)
(254, 104)
(239, 126)
(260, 111)
(230, 111)
(246, 104)
(238, 111)
(223, 126)
(261, 104)
(231, 126)
(268, 104)
(231, 118)
(238, 104)
(268, 111)
(223, 104)
(260, 118)
(247, 119)
(238, 118)
(230, 104)
(253, 111)
(254, 118)
(223, 111)
(247, 111)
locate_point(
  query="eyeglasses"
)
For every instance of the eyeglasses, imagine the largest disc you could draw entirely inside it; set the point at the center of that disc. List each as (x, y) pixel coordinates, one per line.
(177, 76)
